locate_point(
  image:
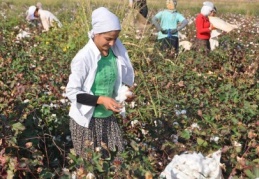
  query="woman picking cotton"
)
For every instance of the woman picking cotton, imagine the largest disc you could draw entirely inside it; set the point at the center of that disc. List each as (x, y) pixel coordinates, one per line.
(220, 26)
(98, 72)
(204, 28)
(46, 18)
(168, 22)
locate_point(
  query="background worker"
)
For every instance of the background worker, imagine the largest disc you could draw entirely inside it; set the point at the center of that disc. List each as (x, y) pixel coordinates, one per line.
(204, 28)
(46, 18)
(168, 22)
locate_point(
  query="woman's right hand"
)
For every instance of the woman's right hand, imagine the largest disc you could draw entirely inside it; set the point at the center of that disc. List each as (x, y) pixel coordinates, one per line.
(212, 27)
(110, 103)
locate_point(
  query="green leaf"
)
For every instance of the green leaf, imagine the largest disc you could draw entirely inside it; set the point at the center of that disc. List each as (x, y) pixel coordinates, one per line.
(249, 174)
(18, 127)
(256, 172)
(185, 134)
(201, 142)
(256, 160)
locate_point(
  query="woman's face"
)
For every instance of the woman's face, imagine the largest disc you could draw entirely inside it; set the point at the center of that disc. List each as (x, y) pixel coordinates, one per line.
(170, 6)
(36, 13)
(104, 41)
(213, 13)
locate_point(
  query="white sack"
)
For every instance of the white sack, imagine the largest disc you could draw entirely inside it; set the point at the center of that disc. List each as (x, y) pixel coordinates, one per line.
(22, 34)
(214, 38)
(221, 24)
(194, 165)
(215, 33)
(214, 43)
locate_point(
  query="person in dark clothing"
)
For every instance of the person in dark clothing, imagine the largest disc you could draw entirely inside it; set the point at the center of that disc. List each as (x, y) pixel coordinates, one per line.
(141, 5)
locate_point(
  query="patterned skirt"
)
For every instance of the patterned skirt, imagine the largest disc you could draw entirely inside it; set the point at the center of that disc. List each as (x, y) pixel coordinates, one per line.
(103, 134)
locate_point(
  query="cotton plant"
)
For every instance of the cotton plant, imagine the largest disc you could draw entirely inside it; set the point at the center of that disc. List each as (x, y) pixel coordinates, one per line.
(123, 94)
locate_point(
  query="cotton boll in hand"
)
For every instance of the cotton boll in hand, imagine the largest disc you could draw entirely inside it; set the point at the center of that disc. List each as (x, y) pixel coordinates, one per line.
(123, 94)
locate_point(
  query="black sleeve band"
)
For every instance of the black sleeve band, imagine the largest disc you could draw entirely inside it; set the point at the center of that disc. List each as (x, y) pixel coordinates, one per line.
(87, 99)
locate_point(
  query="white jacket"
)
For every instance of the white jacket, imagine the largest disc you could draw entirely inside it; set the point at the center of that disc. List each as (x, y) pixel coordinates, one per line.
(48, 19)
(83, 70)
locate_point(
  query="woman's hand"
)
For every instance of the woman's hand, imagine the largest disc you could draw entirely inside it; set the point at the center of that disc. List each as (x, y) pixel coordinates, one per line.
(110, 103)
(130, 98)
(212, 27)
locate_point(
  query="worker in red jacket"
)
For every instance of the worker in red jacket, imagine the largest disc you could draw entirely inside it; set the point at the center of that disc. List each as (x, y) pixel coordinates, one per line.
(204, 28)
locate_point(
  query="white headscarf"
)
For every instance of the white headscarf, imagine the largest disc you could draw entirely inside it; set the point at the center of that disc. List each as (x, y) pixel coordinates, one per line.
(210, 4)
(104, 21)
(30, 13)
(206, 10)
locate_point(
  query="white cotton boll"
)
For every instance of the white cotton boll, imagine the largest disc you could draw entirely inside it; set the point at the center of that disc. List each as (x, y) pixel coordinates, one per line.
(181, 36)
(90, 176)
(144, 132)
(68, 138)
(63, 101)
(133, 123)
(214, 138)
(128, 93)
(177, 112)
(16, 27)
(137, 37)
(190, 22)
(53, 105)
(175, 138)
(175, 123)
(195, 125)
(132, 104)
(73, 175)
(65, 170)
(236, 144)
(26, 101)
(123, 93)
(183, 111)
